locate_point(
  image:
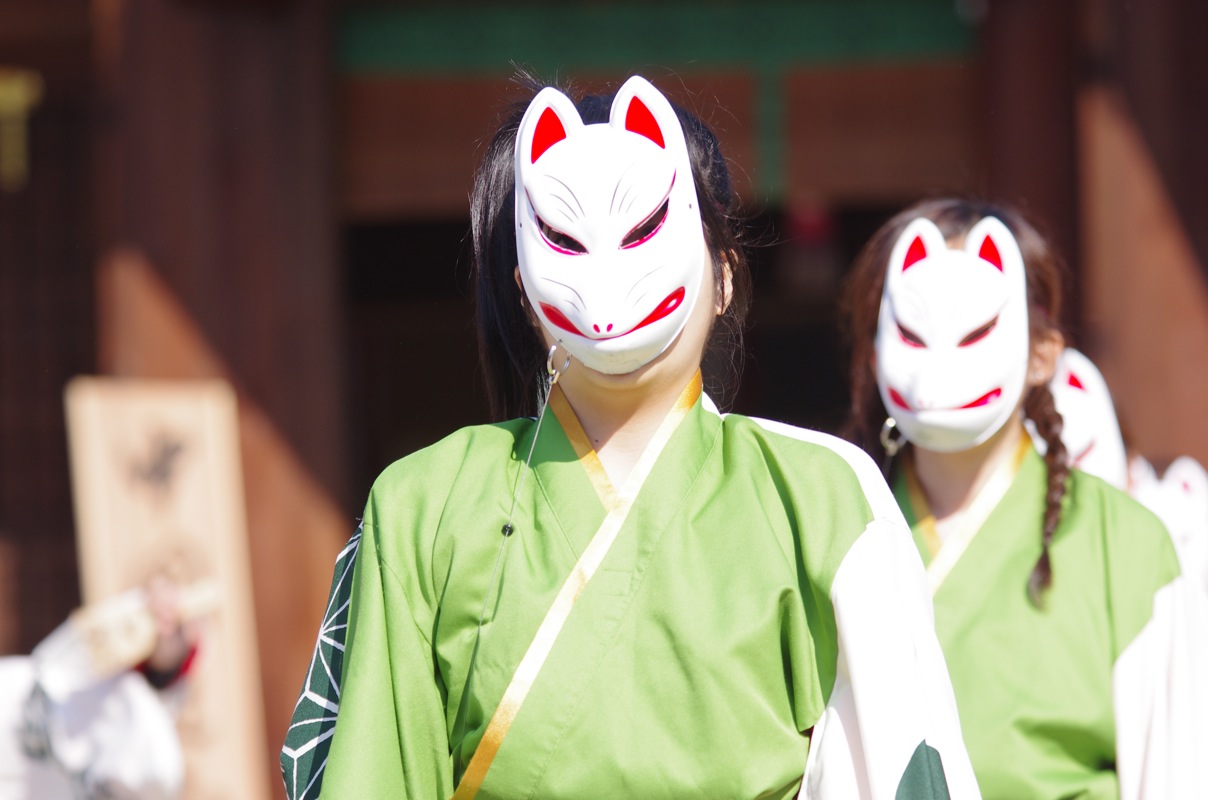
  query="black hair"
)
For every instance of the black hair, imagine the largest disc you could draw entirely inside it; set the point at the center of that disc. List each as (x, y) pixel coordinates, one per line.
(510, 347)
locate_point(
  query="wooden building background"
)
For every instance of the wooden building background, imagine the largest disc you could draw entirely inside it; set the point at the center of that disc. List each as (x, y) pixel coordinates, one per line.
(275, 191)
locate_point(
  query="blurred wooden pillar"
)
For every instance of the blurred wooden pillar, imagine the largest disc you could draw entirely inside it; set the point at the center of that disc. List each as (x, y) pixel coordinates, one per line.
(1030, 63)
(1144, 167)
(46, 317)
(215, 163)
(1162, 66)
(1147, 297)
(216, 227)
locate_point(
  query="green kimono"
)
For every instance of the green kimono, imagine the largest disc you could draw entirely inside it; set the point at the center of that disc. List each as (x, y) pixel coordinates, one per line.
(1094, 695)
(761, 585)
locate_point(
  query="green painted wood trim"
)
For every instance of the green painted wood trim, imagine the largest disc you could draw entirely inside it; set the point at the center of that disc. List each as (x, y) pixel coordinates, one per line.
(463, 38)
(763, 37)
(769, 135)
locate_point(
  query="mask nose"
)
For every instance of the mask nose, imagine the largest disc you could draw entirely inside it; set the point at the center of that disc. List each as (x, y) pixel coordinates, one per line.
(603, 328)
(924, 394)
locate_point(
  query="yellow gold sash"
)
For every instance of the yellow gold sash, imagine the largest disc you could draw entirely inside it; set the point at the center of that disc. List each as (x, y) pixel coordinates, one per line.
(583, 449)
(618, 505)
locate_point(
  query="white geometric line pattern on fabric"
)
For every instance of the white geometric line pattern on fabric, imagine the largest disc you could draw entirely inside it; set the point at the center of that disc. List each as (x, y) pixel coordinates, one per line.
(308, 739)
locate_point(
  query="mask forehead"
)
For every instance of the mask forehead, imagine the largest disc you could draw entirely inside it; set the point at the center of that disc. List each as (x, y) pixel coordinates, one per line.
(948, 296)
(952, 337)
(609, 239)
(599, 185)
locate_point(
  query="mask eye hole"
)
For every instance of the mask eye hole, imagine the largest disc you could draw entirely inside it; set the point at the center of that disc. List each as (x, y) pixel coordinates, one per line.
(979, 334)
(647, 227)
(560, 241)
(910, 337)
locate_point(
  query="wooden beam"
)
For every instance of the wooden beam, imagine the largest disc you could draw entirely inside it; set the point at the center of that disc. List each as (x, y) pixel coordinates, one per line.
(409, 146)
(882, 133)
(25, 25)
(1028, 114)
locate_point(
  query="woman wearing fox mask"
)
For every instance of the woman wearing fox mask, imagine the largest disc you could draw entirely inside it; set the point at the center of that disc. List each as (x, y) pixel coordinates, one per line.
(1072, 640)
(625, 594)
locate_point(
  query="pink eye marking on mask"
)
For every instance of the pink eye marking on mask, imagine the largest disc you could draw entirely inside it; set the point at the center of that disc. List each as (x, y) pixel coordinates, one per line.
(985, 400)
(898, 400)
(910, 337)
(647, 228)
(1078, 458)
(1073, 381)
(980, 333)
(915, 253)
(560, 242)
(558, 319)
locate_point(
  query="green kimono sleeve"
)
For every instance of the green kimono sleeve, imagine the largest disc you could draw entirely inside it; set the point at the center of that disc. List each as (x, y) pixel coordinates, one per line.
(383, 720)
(308, 740)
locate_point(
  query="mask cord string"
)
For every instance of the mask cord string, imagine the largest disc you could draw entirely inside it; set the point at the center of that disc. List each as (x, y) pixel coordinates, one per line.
(508, 529)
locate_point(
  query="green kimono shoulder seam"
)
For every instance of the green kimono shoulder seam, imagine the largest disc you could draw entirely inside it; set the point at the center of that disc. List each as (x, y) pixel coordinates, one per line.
(410, 499)
(384, 568)
(839, 480)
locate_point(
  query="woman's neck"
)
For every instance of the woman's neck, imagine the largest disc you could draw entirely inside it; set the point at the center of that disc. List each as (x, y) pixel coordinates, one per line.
(951, 481)
(620, 422)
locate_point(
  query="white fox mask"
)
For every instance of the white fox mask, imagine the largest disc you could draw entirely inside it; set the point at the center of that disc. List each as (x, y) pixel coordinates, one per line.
(952, 336)
(1090, 432)
(608, 230)
(1180, 499)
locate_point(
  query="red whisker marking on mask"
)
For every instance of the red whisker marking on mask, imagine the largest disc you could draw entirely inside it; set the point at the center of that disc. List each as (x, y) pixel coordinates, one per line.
(898, 400)
(985, 399)
(663, 309)
(558, 319)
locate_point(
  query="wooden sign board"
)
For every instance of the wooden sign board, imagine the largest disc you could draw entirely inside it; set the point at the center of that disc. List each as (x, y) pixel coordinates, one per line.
(159, 491)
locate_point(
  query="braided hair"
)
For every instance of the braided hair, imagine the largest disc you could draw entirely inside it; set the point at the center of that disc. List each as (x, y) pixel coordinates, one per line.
(860, 307)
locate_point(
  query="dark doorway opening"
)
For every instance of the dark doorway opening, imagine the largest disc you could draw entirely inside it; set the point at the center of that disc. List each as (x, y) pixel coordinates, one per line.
(413, 371)
(412, 360)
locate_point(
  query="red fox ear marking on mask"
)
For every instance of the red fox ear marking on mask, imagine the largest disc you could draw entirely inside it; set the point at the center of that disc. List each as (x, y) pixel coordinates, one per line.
(549, 132)
(989, 252)
(639, 120)
(917, 252)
